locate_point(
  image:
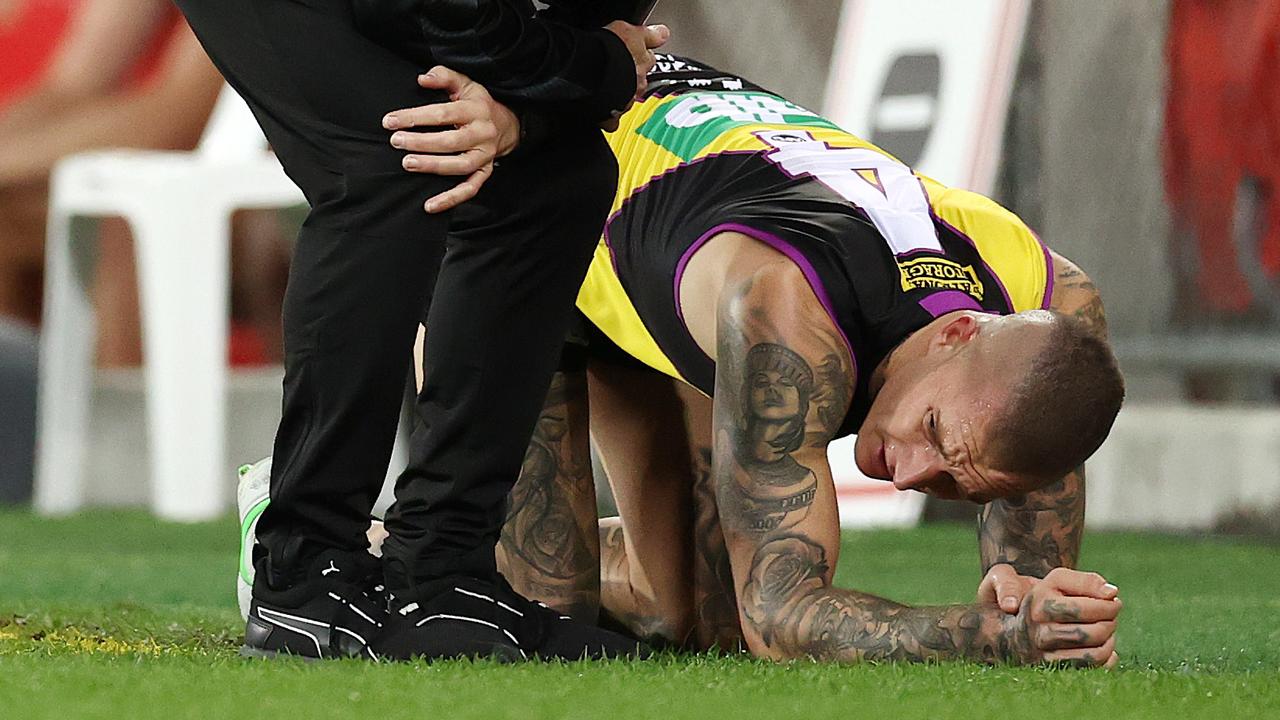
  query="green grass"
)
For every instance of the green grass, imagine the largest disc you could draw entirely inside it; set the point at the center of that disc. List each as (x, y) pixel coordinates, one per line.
(113, 615)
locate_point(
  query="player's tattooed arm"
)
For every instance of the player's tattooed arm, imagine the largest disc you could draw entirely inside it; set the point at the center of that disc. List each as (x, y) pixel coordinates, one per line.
(778, 401)
(1075, 294)
(1037, 532)
(1041, 530)
(789, 602)
(549, 547)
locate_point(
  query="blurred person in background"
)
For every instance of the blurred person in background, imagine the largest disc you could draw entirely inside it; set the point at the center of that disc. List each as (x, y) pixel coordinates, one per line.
(1222, 160)
(125, 74)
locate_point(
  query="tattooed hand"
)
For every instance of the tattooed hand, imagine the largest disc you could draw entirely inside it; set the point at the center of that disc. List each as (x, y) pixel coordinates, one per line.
(1070, 617)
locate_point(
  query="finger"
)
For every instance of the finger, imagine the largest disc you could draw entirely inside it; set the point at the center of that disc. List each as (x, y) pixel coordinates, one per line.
(470, 136)
(437, 115)
(1062, 636)
(646, 63)
(1003, 587)
(655, 36)
(1113, 662)
(987, 588)
(1059, 608)
(1086, 584)
(1007, 587)
(461, 192)
(464, 164)
(376, 533)
(642, 75)
(1084, 657)
(442, 78)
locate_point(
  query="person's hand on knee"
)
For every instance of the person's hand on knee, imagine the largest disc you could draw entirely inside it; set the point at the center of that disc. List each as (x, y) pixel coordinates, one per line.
(482, 129)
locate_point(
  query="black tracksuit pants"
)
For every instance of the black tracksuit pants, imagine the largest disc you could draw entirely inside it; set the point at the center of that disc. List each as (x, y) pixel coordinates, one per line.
(362, 276)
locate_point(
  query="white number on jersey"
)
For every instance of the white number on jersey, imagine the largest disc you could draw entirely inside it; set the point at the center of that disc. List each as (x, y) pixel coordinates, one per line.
(889, 193)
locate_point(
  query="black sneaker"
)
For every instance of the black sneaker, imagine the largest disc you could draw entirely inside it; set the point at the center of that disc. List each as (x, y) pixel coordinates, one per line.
(468, 617)
(336, 612)
(454, 617)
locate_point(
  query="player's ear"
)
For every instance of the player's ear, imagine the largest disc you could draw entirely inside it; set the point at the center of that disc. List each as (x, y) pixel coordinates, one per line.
(957, 331)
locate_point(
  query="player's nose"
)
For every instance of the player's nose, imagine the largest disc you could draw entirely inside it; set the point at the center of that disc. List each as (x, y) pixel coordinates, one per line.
(914, 470)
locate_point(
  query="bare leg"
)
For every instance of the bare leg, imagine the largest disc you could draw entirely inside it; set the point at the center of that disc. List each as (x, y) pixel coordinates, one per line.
(618, 598)
(548, 548)
(665, 575)
(647, 557)
(22, 217)
(115, 294)
(714, 598)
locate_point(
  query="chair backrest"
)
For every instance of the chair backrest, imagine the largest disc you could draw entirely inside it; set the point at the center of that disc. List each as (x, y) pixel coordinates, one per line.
(232, 132)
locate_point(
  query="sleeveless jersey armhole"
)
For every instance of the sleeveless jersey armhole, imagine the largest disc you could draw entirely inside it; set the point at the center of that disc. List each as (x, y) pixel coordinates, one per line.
(1012, 250)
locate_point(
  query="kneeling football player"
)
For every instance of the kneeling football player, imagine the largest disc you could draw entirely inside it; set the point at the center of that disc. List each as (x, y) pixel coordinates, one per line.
(814, 287)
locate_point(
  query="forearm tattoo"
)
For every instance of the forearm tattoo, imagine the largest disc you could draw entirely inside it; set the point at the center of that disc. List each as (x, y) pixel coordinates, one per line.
(788, 601)
(1040, 531)
(549, 541)
(715, 602)
(1035, 532)
(781, 393)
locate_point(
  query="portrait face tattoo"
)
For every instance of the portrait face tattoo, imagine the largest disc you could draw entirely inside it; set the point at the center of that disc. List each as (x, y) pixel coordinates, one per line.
(774, 396)
(775, 490)
(779, 384)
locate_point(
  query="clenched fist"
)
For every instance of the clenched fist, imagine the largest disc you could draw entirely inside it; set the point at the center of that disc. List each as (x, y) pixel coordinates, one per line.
(1069, 616)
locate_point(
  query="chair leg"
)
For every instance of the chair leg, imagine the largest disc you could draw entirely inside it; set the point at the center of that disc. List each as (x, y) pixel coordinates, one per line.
(66, 371)
(183, 267)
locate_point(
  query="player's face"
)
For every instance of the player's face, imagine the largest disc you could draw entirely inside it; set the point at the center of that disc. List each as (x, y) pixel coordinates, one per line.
(927, 431)
(773, 396)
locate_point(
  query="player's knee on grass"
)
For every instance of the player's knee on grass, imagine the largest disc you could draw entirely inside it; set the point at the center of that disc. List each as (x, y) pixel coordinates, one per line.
(629, 601)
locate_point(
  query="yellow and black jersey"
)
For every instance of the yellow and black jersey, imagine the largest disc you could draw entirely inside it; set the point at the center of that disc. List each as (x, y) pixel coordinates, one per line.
(884, 249)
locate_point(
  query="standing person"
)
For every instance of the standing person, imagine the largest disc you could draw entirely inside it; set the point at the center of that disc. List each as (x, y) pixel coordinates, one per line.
(320, 75)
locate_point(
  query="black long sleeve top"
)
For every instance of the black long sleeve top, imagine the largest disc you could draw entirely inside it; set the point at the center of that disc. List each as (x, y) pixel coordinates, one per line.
(557, 63)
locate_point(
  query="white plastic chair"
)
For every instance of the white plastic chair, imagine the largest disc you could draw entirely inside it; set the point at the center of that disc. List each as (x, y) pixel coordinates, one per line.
(179, 206)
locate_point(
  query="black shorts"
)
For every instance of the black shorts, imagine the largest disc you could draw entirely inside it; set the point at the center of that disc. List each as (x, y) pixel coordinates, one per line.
(585, 344)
